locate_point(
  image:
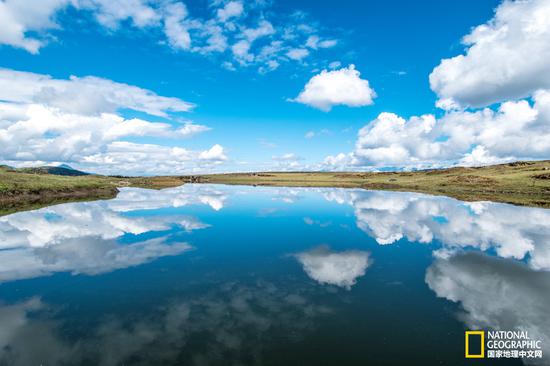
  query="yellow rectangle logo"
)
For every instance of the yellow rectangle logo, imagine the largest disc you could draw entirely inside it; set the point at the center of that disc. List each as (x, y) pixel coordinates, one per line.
(468, 333)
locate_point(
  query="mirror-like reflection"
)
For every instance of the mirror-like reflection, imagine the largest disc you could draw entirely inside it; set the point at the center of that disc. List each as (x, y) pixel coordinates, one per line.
(511, 231)
(232, 319)
(335, 268)
(95, 237)
(232, 275)
(494, 293)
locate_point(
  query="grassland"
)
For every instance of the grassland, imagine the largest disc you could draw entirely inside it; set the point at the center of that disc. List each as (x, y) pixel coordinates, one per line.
(21, 189)
(520, 183)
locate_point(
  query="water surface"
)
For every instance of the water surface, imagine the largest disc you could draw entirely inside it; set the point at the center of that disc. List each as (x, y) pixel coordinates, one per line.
(231, 275)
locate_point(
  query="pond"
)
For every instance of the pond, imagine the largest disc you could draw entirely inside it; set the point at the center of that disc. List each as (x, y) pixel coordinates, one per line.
(233, 275)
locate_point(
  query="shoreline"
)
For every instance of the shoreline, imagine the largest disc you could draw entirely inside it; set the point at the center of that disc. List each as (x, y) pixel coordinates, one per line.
(520, 183)
(31, 201)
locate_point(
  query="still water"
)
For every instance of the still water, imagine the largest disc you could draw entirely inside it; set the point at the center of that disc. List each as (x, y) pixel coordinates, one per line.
(232, 275)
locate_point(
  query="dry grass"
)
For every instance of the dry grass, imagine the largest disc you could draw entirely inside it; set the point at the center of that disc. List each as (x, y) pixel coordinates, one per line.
(24, 190)
(520, 183)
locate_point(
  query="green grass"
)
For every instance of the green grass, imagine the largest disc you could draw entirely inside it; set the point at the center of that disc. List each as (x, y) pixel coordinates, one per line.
(521, 183)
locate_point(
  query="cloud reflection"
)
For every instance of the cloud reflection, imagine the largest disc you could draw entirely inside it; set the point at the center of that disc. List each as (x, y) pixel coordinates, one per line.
(231, 324)
(511, 231)
(334, 268)
(87, 237)
(495, 293)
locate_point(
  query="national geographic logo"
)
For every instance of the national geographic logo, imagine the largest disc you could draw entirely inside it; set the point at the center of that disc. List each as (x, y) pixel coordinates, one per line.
(501, 344)
(474, 344)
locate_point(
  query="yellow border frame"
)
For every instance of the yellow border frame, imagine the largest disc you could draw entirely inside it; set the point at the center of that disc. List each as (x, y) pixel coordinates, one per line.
(475, 332)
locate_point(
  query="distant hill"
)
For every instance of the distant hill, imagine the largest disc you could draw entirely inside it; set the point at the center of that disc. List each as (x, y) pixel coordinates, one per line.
(65, 166)
(62, 169)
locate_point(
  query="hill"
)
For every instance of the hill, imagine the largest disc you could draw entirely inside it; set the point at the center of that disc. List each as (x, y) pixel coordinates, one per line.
(62, 169)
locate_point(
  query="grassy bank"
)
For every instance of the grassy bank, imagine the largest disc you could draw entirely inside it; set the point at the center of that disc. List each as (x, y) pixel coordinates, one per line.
(521, 183)
(21, 189)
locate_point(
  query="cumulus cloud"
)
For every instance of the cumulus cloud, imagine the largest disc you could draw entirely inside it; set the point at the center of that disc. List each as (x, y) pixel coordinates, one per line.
(494, 69)
(240, 33)
(506, 58)
(18, 18)
(122, 157)
(337, 87)
(334, 268)
(214, 154)
(86, 95)
(516, 130)
(45, 120)
(47, 135)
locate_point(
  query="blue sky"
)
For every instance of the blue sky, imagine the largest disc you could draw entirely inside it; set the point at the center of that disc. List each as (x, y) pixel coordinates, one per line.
(245, 107)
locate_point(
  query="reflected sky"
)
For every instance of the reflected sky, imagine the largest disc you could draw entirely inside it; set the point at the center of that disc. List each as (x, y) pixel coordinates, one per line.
(233, 275)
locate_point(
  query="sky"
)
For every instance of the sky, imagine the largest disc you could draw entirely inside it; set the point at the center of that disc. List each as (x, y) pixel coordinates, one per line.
(180, 87)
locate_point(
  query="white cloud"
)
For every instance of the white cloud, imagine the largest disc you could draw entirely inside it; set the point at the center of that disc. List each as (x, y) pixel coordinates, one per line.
(240, 51)
(44, 120)
(506, 58)
(85, 95)
(287, 157)
(334, 268)
(142, 13)
(288, 161)
(494, 69)
(264, 29)
(48, 135)
(214, 154)
(19, 17)
(338, 87)
(516, 130)
(315, 42)
(122, 157)
(339, 161)
(174, 27)
(230, 10)
(225, 29)
(297, 53)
